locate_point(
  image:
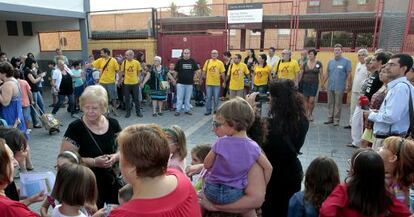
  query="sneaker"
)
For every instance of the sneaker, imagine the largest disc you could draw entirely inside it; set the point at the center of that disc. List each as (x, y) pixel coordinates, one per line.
(128, 114)
(154, 114)
(347, 127)
(207, 113)
(139, 114)
(328, 122)
(160, 113)
(188, 113)
(37, 126)
(177, 114)
(336, 124)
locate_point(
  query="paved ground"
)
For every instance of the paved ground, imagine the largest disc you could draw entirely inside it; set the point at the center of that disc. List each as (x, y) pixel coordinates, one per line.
(321, 139)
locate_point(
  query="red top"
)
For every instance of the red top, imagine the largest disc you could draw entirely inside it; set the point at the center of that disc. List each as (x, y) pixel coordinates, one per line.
(336, 205)
(11, 208)
(182, 202)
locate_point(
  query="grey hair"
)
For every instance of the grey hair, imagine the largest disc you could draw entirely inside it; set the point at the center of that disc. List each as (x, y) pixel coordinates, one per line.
(363, 51)
(158, 58)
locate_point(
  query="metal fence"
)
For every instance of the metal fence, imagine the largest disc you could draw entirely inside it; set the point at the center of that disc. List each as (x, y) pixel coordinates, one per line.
(294, 24)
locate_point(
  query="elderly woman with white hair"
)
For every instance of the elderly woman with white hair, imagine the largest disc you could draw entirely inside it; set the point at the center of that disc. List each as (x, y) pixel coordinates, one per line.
(93, 137)
(157, 79)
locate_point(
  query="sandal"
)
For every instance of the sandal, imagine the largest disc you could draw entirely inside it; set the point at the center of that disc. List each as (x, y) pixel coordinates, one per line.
(154, 115)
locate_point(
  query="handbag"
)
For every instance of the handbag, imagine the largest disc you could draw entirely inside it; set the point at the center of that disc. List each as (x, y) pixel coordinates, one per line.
(165, 85)
(117, 177)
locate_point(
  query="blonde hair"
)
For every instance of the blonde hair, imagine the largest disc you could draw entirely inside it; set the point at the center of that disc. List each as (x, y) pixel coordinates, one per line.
(178, 135)
(95, 93)
(237, 113)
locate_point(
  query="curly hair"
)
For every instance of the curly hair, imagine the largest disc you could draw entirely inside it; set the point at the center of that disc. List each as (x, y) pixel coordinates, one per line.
(286, 106)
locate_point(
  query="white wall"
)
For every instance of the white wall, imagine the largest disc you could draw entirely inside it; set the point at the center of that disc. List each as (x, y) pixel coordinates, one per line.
(19, 45)
(72, 5)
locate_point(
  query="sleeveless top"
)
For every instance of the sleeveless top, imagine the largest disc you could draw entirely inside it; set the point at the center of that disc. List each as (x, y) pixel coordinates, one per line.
(311, 76)
(14, 111)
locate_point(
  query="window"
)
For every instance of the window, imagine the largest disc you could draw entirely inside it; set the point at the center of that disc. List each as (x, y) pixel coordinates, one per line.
(314, 2)
(27, 28)
(68, 40)
(232, 32)
(283, 32)
(12, 28)
(255, 33)
(362, 2)
(338, 2)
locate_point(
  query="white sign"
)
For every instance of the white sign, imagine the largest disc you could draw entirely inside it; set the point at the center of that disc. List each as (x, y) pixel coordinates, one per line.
(245, 13)
(176, 53)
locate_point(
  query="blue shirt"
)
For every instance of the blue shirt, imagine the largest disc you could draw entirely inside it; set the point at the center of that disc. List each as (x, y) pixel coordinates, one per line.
(393, 116)
(299, 207)
(338, 70)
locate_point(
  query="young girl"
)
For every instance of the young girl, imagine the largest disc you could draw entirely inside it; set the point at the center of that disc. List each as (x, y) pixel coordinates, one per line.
(398, 156)
(233, 155)
(74, 192)
(178, 147)
(198, 154)
(172, 97)
(322, 176)
(364, 192)
(66, 157)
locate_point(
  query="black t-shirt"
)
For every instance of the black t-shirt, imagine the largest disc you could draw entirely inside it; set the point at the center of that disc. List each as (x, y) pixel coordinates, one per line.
(186, 70)
(373, 85)
(33, 87)
(77, 134)
(11, 192)
(66, 85)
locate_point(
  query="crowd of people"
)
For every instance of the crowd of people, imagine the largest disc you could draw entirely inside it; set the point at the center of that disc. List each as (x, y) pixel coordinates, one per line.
(252, 169)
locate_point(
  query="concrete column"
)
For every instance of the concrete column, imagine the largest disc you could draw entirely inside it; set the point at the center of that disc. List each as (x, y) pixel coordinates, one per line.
(84, 30)
(243, 39)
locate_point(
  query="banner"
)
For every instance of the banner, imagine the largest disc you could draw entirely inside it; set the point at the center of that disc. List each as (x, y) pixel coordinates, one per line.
(245, 16)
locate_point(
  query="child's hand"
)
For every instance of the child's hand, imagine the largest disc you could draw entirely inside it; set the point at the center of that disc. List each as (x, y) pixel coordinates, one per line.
(193, 169)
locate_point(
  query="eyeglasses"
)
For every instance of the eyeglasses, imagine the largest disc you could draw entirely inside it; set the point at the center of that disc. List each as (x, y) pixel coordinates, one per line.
(217, 124)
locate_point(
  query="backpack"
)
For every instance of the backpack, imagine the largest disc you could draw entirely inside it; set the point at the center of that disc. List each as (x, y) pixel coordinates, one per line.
(89, 80)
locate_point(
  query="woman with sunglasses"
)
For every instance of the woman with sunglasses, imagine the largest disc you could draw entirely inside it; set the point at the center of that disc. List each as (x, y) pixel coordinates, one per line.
(364, 192)
(398, 156)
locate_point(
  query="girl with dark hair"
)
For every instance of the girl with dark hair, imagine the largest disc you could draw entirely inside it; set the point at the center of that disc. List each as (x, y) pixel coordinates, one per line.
(322, 176)
(309, 82)
(287, 128)
(250, 60)
(33, 77)
(261, 74)
(364, 192)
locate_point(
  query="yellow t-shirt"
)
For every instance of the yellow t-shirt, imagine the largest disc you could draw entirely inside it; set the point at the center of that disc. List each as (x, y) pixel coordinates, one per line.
(288, 70)
(261, 75)
(238, 72)
(107, 76)
(132, 71)
(214, 70)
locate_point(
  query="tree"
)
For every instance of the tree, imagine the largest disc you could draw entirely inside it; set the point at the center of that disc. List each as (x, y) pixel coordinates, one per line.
(201, 9)
(173, 9)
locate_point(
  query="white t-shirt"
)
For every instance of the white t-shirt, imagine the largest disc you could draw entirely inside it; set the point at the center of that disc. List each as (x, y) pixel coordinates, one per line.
(57, 76)
(56, 213)
(361, 73)
(272, 61)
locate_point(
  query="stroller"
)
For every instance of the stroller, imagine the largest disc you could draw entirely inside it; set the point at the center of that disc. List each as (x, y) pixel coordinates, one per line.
(49, 121)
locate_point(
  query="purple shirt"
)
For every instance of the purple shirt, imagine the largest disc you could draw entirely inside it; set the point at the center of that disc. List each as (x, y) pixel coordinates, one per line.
(234, 158)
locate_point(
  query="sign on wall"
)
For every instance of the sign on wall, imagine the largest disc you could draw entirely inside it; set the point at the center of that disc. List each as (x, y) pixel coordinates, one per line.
(245, 16)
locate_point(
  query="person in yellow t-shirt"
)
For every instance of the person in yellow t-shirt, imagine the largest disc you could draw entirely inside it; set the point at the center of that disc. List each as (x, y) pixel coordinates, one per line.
(213, 71)
(130, 72)
(108, 67)
(287, 67)
(262, 72)
(236, 73)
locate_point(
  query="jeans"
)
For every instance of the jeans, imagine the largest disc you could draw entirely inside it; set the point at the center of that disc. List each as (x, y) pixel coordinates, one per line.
(61, 99)
(222, 194)
(261, 88)
(131, 89)
(184, 92)
(212, 91)
(38, 100)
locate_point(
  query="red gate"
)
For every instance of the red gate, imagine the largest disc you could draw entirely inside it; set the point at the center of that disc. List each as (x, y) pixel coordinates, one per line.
(200, 46)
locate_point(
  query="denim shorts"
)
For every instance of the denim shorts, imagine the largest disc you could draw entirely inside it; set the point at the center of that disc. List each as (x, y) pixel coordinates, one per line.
(26, 114)
(222, 194)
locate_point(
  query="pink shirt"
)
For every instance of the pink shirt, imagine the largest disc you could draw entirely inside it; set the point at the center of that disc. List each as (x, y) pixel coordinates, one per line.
(24, 88)
(182, 202)
(177, 164)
